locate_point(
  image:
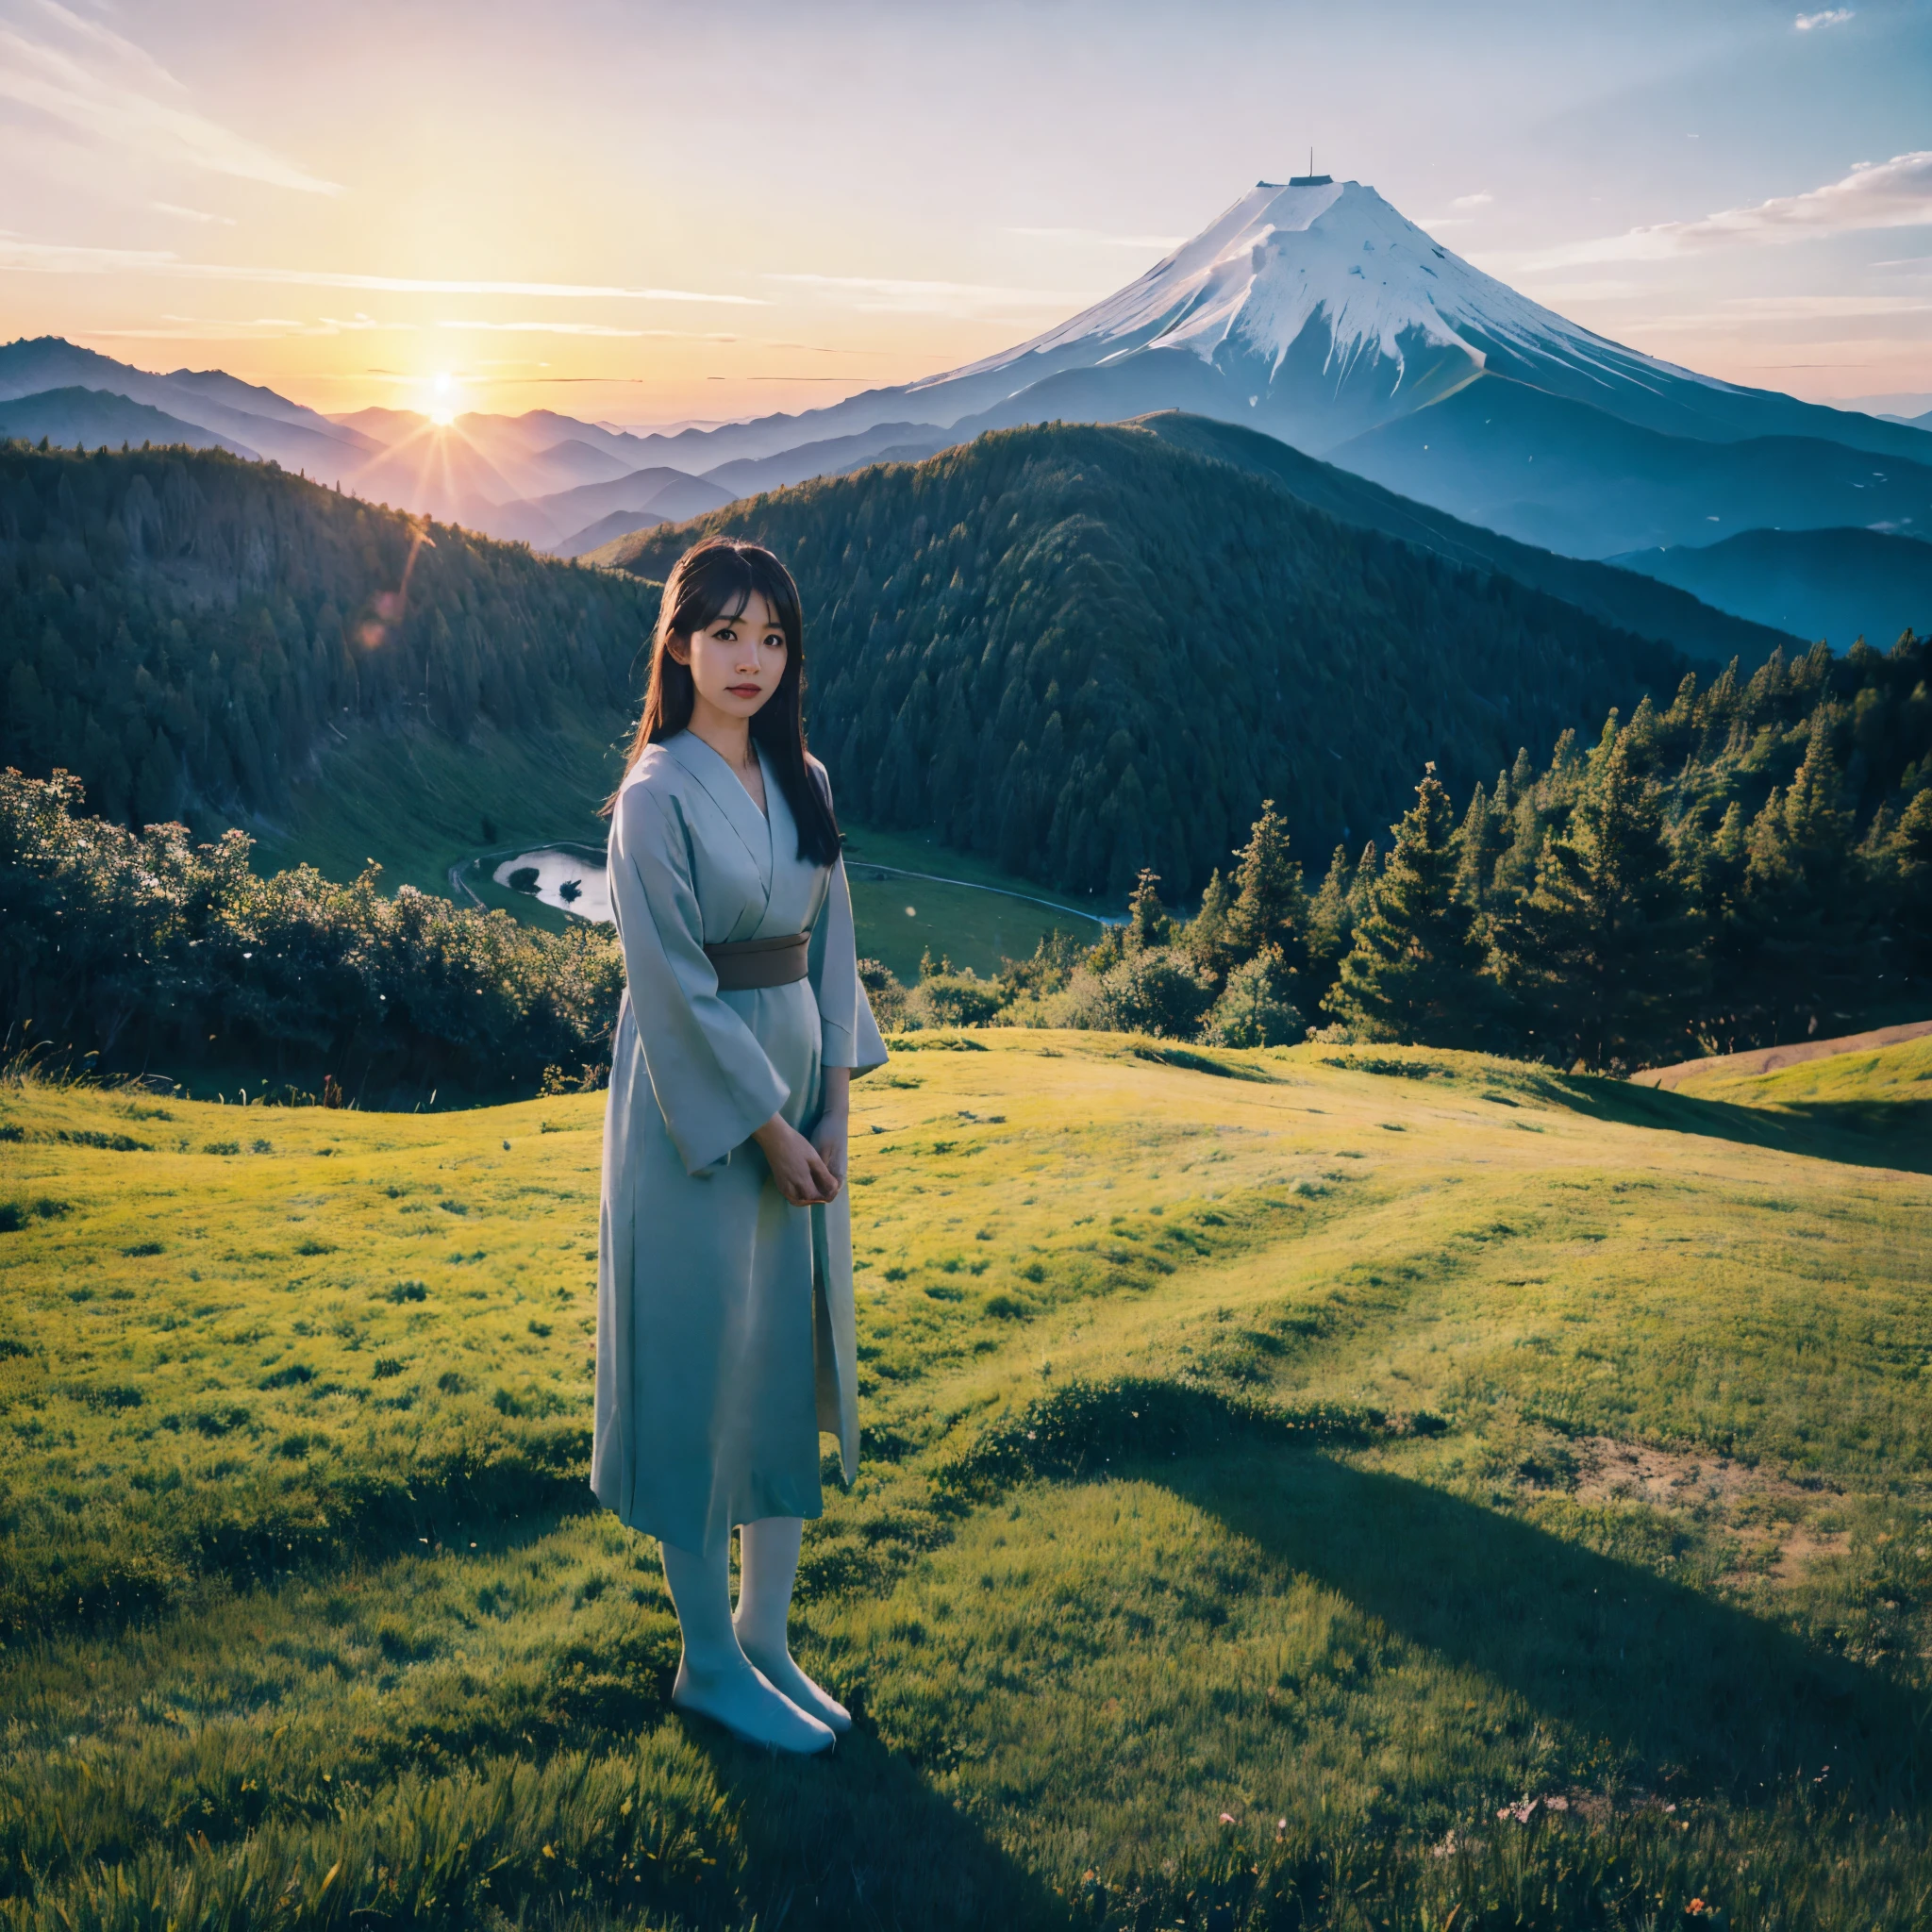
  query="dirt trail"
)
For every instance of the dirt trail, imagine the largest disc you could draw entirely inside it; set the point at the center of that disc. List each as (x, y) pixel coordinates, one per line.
(1614, 1471)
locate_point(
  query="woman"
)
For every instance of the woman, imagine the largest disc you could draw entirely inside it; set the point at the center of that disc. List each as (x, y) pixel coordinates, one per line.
(724, 1319)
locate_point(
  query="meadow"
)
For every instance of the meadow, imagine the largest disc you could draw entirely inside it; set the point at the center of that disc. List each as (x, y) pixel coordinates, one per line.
(1319, 1487)
(418, 804)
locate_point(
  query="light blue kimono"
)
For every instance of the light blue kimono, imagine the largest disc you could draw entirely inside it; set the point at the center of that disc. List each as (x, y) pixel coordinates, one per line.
(725, 1316)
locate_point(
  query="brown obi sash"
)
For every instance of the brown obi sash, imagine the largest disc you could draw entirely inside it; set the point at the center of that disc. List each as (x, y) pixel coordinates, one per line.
(747, 965)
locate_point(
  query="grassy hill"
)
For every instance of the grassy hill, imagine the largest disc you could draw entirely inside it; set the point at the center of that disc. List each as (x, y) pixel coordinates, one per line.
(1316, 1487)
(1081, 650)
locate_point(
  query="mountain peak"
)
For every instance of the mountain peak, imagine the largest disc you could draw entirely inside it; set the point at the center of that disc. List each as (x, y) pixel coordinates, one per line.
(1321, 282)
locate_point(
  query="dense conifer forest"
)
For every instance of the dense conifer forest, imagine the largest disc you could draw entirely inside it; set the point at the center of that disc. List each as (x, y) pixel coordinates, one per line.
(1752, 863)
(1082, 651)
(183, 629)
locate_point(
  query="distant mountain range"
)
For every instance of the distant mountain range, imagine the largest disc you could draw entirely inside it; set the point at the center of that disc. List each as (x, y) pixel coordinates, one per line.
(86, 418)
(1838, 584)
(1644, 604)
(1312, 313)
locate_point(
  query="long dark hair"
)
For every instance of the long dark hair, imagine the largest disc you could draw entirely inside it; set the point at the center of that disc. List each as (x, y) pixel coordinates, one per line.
(718, 578)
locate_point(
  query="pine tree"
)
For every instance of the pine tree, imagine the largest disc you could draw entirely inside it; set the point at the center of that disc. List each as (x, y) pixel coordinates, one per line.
(1148, 924)
(1807, 940)
(1270, 907)
(1331, 923)
(1477, 849)
(1605, 954)
(1206, 932)
(1911, 858)
(1415, 972)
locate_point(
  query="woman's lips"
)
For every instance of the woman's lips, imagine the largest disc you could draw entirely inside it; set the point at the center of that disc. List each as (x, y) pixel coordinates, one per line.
(745, 691)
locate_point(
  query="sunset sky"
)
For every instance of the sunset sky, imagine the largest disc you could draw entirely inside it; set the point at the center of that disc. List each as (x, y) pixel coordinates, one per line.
(645, 213)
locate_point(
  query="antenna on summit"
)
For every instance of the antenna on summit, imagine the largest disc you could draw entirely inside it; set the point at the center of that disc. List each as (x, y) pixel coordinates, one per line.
(1310, 179)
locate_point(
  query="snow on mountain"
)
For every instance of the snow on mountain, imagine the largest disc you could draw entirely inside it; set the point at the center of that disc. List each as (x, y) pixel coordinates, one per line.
(1335, 257)
(1326, 312)
(1317, 312)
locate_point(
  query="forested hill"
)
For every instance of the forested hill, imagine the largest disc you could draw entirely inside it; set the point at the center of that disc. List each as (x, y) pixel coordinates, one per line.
(183, 629)
(1625, 597)
(1082, 650)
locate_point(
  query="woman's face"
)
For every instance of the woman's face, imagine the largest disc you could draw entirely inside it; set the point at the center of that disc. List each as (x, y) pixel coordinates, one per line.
(736, 662)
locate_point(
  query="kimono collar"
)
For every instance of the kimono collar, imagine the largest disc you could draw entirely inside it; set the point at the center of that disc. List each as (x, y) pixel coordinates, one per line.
(726, 789)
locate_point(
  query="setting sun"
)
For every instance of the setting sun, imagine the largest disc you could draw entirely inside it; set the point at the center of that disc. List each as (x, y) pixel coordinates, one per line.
(443, 399)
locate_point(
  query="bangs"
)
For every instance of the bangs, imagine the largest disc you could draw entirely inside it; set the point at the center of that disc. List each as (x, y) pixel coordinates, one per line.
(719, 580)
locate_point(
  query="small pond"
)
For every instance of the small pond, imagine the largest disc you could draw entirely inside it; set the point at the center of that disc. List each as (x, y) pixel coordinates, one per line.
(570, 881)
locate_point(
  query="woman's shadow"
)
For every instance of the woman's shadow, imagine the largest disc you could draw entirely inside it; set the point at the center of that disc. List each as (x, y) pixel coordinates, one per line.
(1696, 1697)
(1695, 1693)
(862, 1840)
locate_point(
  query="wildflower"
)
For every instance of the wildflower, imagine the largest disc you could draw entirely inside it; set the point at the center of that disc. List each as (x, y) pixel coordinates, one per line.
(1228, 1818)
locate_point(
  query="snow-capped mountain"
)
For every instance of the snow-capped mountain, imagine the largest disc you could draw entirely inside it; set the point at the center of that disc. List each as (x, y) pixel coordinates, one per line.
(1316, 307)
(1316, 311)
(1324, 311)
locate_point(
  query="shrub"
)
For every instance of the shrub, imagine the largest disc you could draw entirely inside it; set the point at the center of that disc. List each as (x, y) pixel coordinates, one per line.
(1161, 991)
(954, 999)
(886, 995)
(145, 946)
(1256, 1007)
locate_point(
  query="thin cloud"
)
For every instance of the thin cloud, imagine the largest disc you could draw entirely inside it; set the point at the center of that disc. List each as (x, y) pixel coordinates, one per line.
(191, 214)
(197, 328)
(589, 329)
(114, 94)
(892, 296)
(1832, 16)
(1875, 194)
(1481, 199)
(1587, 292)
(1750, 308)
(1096, 238)
(76, 258)
(62, 257)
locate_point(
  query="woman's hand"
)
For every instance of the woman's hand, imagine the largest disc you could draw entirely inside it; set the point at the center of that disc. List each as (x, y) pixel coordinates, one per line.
(829, 1134)
(797, 1165)
(828, 1140)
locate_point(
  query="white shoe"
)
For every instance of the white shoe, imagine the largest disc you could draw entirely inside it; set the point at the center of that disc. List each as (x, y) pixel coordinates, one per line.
(748, 1706)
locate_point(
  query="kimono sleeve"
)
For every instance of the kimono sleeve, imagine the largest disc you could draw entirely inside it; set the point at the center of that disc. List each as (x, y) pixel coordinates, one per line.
(851, 1033)
(714, 1083)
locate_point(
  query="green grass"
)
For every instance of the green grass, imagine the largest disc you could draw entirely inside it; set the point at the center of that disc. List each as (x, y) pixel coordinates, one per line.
(419, 803)
(988, 917)
(1249, 1511)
